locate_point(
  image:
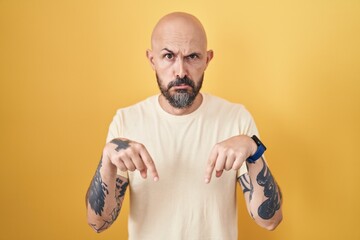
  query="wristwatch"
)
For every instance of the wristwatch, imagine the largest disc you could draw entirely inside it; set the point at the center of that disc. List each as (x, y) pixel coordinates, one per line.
(259, 152)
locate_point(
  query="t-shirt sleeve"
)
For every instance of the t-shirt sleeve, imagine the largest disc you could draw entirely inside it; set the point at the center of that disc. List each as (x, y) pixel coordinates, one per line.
(115, 131)
(247, 127)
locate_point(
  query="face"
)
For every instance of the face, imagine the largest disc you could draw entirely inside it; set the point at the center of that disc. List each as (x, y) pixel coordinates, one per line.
(179, 59)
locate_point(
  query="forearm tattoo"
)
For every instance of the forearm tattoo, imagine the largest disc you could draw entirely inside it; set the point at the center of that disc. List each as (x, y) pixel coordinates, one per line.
(97, 192)
(119, 195)
(121, 144)
(268, 208)
(246, 185)
(96, 196)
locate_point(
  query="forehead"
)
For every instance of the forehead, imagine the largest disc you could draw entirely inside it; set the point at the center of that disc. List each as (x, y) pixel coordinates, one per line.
(179, 34)
(179, 42)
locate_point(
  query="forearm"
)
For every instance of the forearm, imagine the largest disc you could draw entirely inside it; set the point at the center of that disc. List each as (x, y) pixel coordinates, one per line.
(104, 196)
(262, 194)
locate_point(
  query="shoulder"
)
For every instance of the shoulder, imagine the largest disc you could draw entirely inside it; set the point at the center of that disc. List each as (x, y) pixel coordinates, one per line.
(139, 107)
(221, 105)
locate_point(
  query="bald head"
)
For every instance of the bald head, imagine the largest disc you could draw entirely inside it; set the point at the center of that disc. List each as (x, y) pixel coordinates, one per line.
(178, 27)
(179, 57)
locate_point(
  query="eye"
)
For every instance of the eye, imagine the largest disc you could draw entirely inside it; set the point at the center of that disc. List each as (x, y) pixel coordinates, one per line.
(169, 56)
(193, 56)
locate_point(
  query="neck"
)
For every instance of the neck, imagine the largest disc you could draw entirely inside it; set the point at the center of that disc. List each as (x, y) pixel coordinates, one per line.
(180, 111)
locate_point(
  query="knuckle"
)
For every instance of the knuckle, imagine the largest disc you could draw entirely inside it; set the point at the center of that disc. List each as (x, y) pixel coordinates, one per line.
(230, 152)
(114, 159)
(130, 151)
(219, 168)
(218, 146)
(228, 167)
(124, 169)
(148, 160)
(141, 168)
(122, 154)
(138, 146)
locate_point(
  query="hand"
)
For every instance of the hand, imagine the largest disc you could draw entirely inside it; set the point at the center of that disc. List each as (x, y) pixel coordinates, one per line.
(130, 156)
(229, 154)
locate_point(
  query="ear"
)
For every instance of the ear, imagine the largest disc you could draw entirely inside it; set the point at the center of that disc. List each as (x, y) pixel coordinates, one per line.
(150, 57)
(209, 56)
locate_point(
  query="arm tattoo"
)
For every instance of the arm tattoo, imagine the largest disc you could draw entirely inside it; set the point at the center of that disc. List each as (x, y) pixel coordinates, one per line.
(121, 144)
(246, 184)
(268, 208)
(97, 192)
(119, 195)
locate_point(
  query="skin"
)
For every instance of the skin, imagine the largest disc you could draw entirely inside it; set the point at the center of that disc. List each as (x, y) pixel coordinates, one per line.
(179, 49)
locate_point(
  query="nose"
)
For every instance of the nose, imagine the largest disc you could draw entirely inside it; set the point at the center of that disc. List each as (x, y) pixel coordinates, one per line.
(180, 70)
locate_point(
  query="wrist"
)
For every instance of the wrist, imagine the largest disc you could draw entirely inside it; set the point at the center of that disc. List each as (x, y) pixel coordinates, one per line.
(253, 147)
(107, 165)
(260, 149)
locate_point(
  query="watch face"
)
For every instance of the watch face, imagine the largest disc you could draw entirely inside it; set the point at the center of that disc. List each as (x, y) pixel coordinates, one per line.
(259, 152)
(257, 141)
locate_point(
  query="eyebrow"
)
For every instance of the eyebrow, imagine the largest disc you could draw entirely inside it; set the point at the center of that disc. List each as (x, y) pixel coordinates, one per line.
(168, 50)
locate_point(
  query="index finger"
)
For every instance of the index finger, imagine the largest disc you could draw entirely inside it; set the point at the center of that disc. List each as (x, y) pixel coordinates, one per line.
(149, 163)
(211, 165)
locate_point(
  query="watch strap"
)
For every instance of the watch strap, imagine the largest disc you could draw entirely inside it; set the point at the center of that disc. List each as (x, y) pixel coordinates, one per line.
(259, 152)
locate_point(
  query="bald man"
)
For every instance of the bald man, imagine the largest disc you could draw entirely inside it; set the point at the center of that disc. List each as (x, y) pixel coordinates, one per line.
(167, 149)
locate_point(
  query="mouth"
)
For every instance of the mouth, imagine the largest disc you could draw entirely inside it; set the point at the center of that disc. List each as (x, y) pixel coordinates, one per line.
(182, 87)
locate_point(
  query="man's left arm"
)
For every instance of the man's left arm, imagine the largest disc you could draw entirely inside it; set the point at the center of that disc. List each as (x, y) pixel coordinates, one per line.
(262, 194)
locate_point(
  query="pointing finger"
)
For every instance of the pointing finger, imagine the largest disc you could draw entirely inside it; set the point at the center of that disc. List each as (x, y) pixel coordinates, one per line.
(139, 164)
(211, 165)
(149, 163)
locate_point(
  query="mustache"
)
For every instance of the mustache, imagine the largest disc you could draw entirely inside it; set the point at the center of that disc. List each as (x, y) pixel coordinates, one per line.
(181, 81)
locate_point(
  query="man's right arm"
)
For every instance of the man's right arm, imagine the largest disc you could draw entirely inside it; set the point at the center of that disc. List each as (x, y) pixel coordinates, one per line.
(105, 196)
(107, 189)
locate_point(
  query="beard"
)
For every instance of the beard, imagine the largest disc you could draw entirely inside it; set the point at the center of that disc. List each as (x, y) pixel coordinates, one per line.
(182, 98)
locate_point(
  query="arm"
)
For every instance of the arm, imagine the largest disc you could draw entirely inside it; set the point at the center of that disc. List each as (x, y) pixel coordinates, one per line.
(262, 194)
(107, 190)
(105, 196)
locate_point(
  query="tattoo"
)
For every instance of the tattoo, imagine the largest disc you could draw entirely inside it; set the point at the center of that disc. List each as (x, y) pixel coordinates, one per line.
(121, 186)
(268, 208)
(121, 144)
(246, 184)
(97, 192)
(119, 195)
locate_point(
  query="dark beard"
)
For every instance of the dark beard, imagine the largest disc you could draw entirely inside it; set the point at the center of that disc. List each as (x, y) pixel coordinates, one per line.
(182, 98)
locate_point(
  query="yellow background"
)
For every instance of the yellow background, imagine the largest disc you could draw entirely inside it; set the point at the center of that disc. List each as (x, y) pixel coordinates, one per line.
(66, 66)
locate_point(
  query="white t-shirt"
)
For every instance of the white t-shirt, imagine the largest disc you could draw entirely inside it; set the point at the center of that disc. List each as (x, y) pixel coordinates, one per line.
(180, 205)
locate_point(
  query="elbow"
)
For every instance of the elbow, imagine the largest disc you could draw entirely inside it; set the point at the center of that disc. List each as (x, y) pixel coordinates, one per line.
(96, 227)
(270, 224)
(273, 225)
(97, 224)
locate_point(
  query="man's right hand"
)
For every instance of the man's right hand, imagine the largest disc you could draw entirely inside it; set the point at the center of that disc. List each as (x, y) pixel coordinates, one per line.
(130, 156)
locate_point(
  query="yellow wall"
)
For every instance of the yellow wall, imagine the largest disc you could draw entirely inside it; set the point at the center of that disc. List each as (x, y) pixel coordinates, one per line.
(66, 66)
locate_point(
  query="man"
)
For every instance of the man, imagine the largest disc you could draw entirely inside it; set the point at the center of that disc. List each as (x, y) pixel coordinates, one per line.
(181, 138)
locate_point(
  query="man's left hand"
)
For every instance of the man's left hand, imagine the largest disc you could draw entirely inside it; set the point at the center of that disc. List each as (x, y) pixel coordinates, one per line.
(229, 154)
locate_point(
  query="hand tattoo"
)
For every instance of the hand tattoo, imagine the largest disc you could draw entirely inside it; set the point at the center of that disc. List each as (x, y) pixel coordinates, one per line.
(121, 144)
